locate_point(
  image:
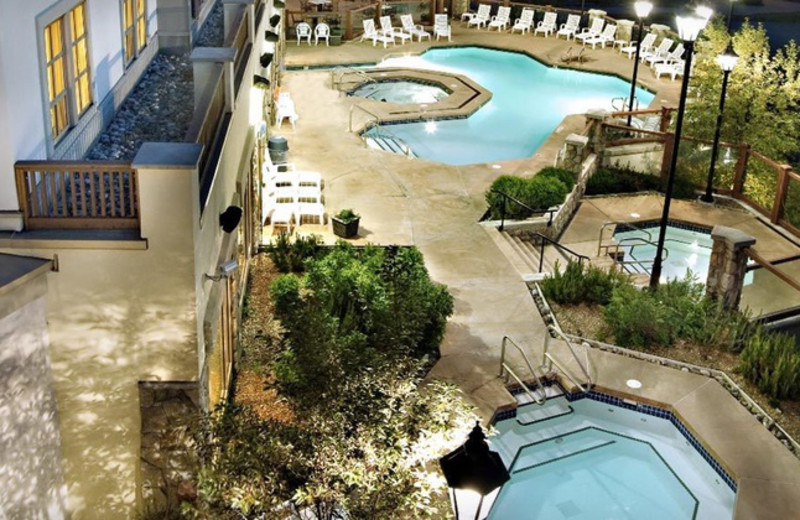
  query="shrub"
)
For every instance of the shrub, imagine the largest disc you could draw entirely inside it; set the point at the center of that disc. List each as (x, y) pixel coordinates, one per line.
(579, 283)
(565, 176)
(772, 362)
(538, 193)
(637, 319)
(290, 256)
(608, 181)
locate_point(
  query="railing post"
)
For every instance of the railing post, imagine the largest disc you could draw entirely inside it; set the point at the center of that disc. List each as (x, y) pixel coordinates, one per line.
(666, 158)
(348, 26)
(665, 117)
(780, 193)
(541, 254)
(503, 214)
(741, 168)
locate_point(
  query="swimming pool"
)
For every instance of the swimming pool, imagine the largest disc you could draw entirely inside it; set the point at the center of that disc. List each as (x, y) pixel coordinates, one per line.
(689, 249)
(401, 92)
(590, 458)
(529, 100)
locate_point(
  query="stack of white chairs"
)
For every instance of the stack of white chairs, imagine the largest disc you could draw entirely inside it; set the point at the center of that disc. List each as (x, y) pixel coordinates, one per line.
(291, 196)
(285, 109)
(414, 30)
(388, 30)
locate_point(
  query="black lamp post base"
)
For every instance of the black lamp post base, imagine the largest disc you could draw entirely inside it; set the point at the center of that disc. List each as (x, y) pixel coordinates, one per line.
(707, 199)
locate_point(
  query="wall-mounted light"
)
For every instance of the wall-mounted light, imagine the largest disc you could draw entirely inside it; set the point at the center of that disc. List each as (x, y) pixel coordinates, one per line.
(266, 59)
(260, 81)
(271, 36)
(230, 218)
(274, 20)
(279, 4)
(224, 271)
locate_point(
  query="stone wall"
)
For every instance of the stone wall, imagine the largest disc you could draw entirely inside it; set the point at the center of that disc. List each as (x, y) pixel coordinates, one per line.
(728, 265)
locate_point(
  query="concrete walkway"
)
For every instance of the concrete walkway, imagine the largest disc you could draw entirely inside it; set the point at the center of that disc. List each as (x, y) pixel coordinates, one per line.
(436, 207)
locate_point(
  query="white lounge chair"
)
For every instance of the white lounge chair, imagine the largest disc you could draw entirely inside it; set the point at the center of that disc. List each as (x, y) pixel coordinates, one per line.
(305, 179)
(322, 32)
(658, 53)
(672, 56)
(414, 30)
(310, 209)
(570, 28)
(607, 36)
(481, 18)
(501, 19)
(647, 44)
(441, 27)
(285, 109)
(388, 30)
(592, 31)
(547, 25)
(525, 21)
(370, 33)
(303, 30)
(673, 68)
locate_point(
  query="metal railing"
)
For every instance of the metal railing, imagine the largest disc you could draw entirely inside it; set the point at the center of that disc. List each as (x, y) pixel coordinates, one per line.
(506, 371)
(507, 197)
(338, 73)
(549, 360)
(373, 115)
(560, 247)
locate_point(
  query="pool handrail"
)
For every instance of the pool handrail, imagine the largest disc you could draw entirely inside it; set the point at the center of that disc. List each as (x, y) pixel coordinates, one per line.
(375, 116)
(506, 370)
(561, 247)
(554, 331)
(616, 223)
(550, 212)
(341, 70)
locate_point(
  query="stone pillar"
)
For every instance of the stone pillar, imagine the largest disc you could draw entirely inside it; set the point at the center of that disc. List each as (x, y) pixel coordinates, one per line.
(661, 31)
(206, 64)
(596, 13)
(625, 30)
(572, 153)
(728, 264)
(596, 141)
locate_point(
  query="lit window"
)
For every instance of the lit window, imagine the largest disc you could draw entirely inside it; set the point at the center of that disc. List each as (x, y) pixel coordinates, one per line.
(134, 27)
(69, 90)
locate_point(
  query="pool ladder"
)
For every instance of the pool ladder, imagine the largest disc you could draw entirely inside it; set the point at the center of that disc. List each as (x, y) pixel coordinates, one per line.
(617, 250)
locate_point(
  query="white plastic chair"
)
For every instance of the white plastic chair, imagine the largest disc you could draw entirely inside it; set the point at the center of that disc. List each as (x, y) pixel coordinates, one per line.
(672, 56)
(673, 68)
(547, 25)
(305, 179)
(310, 209)
(441, 27)
(285, 109)
(481, 18)
(370, 33)
(414, 30)
(500, 20)
(569, 28)
(607, 36)
(658, 53)
(388, 30)
(647, 44)
(322, 32)
(525, 21)
(592, 31)
(303, 30)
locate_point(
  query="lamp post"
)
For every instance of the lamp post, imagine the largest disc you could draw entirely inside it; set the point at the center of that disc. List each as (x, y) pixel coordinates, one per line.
(730, 15)
(689, 28)
(472, 473)
(727, 61)
(642, 11)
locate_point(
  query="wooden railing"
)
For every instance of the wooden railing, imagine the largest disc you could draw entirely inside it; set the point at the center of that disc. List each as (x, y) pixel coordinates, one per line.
(239, 40)
(75, 195)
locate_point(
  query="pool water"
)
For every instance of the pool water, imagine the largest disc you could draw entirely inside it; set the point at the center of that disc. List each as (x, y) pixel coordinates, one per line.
(589, 460)
(400, 92)
(529, 100)
(688, 250)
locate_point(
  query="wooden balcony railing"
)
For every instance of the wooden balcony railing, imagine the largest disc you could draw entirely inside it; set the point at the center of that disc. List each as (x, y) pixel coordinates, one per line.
(77, 195)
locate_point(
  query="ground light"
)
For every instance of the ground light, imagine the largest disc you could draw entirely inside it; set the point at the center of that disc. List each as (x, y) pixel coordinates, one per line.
(473, 473)
(727, 61)
(689, 28)
(642, 11)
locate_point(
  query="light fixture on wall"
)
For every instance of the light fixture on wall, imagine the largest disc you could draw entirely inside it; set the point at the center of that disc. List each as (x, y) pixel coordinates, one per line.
(230, 218)
(278, 4)
(271, 36)
(266, 59)
(274, 20)
(260, 81)
(224, 271)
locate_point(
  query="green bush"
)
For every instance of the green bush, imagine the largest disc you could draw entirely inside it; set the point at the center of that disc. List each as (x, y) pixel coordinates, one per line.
(579, 283)
(538, 193)
(565, 176)
(607, 181)
(637, 319)
(772, 362)
(289, 256)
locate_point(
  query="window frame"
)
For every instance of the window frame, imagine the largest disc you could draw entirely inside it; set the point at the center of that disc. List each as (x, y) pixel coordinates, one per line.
(137, 29)
(62, 13)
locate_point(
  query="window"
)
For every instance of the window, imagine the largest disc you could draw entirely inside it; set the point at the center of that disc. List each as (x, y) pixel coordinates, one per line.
(69, 91)
(134, 28)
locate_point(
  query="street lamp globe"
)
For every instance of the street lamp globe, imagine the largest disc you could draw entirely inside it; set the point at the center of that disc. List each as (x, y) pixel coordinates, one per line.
(689, 27)
(642, 9)
(704, 12)
(728, 59)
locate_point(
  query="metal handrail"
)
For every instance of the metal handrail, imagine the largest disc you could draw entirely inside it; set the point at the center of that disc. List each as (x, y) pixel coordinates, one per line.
(504, 368)
(585, 367)
(561, 247)
(375, 116)
(385, 134)
(506, 196)
(348, 70)
(616, 223)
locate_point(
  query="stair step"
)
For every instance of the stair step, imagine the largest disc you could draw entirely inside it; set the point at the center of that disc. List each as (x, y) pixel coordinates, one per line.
(550, 392)
(561, 447)
(530, 414)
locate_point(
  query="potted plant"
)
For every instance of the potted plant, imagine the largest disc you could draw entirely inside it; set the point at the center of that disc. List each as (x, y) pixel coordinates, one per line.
(337, 32)
(345, 223)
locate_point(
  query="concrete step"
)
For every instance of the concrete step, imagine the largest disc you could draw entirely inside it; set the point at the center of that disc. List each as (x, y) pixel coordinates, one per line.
(511, 251)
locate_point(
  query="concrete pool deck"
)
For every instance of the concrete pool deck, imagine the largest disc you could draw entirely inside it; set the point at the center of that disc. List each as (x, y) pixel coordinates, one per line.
(436, 207)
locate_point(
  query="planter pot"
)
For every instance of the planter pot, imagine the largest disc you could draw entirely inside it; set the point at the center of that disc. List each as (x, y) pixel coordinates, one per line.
(345, 230)
(336, 39)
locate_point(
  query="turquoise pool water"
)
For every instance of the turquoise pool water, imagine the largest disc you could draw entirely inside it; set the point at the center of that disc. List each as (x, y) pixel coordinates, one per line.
(591, 460)
(400, 92)
(529, 100)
